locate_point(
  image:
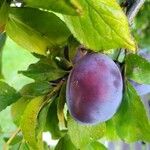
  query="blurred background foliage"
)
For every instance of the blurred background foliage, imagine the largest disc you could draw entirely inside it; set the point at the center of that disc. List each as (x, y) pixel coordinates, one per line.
(15, 58)
(141, 26)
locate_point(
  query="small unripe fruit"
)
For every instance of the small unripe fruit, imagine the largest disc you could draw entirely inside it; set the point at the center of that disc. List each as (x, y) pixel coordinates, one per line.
(94, 89)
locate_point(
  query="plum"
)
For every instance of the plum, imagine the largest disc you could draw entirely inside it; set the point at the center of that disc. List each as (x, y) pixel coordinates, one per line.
(94, 89)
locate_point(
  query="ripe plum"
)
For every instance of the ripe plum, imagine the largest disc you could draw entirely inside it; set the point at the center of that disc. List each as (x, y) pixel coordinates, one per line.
(94, 89)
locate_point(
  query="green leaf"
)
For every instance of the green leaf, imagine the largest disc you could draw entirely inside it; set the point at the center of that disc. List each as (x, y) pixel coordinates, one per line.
(14, 147)
(8, 95)
(111, 133)
(142, 23)
(81, 135)
(131, 120)
(46, 147)
(45, 69)
(15, 140)
(42, 119)
(18, 108)
(29, 123)
(73, 46)
(69, 7)
(95, 146)
(32, 29)
(2, 40)
(103, 25)
(52, 122)
(1, 130)
(137, 69)
(4, 9)
(36, 89)
(23, 146)
(60, 108)
(2, 43)
(65, 144)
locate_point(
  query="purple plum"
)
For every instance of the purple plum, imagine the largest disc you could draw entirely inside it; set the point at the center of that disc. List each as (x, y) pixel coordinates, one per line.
(94, 89)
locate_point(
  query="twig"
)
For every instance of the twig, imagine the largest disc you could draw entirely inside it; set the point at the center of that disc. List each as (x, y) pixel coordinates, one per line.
(134, 9)
(131, 14)
(6, 146)
(54, 91)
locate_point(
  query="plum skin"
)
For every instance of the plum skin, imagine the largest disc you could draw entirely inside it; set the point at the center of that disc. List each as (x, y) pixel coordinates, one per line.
(94, 89)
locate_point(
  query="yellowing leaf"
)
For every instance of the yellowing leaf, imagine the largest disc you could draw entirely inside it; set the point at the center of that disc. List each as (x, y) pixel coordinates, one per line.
(103, 25)
(29, 123)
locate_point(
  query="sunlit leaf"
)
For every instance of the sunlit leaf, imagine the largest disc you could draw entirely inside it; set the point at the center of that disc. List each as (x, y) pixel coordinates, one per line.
(18, 108)
(29, 123)
(81, 135)
(70, 7)
(111, 133)
(103, 25)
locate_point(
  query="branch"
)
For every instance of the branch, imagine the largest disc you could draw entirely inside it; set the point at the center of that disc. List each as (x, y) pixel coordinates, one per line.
(131, 14)
(6, 146)
(134, 9)
(53, 92)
